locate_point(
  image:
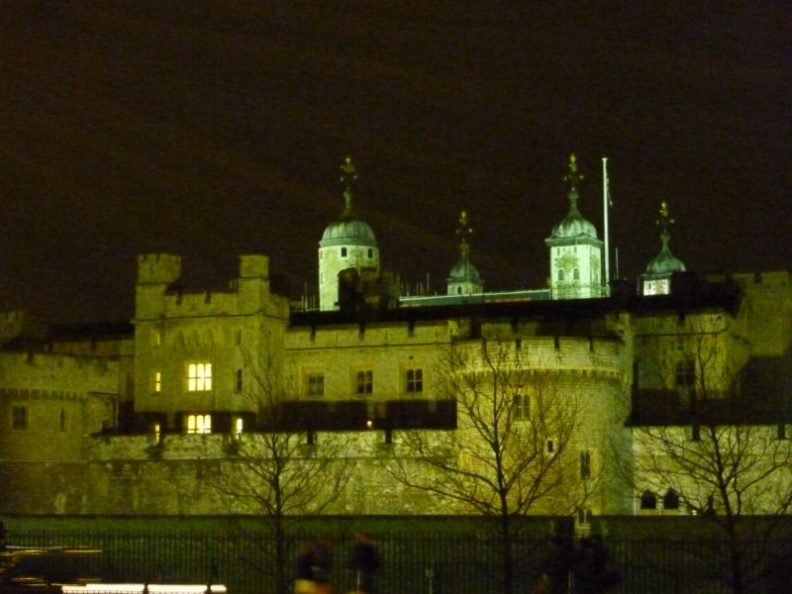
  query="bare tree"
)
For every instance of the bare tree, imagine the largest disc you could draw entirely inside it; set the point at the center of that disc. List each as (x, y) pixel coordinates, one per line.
(713, 454)
(280, 472)
(512, 452)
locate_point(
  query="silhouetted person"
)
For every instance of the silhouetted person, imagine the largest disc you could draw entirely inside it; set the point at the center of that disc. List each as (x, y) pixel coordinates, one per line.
(365, 563)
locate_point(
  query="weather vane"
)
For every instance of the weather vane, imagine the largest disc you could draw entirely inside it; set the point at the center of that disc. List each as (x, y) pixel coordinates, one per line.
(665, 216)
(573, 177)
(348, 173)
(464, 228)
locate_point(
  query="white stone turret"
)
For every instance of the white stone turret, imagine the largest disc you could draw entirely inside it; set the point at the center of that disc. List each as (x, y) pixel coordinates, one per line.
(575, 251)
(347, 242)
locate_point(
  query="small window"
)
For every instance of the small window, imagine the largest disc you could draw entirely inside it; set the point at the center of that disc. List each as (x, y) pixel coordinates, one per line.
(550, 447)
(370, 253)
(522, 407)
(199, 377)
(561, 275)
(239, 425)
(19, 417)
(343, 252)
(63, 420)
(238, 385)
(576, 274)
(199, 424)
(157, 383)
(671, 500)
(365, 382)
(685, 374)
(414, 381)
(316, 384)
(648, 500)
(585, 465)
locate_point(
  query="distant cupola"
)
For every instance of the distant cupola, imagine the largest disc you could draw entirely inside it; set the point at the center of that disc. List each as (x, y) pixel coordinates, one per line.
(657, 278)
(464, 278)
(575, 251)
(347, 243)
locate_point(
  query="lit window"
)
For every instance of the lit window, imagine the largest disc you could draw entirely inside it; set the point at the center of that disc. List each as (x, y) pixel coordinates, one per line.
(199, 424)
(157, 388)
(19, 417)
(522, 407)
(239, 425)
(199, 377)
(414, 380)
(316, 384)
(365, 382)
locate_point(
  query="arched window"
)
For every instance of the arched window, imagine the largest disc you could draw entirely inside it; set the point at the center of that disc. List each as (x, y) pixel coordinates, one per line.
(671, 500)
(648, 500)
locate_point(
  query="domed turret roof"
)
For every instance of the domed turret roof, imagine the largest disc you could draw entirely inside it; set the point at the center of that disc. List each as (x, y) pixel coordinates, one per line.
(348, 229)
(574, 224)
(665, 263)
(464, 270)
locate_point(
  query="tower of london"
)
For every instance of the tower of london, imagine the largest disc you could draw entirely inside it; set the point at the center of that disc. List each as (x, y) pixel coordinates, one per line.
(129, 417)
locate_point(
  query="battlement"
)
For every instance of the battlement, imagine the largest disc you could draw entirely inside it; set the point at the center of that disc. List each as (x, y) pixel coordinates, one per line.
(253, 265)
(158, 268)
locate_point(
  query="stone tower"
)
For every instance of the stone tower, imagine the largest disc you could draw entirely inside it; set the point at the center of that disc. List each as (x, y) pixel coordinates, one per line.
(347, 243)
(575, 251)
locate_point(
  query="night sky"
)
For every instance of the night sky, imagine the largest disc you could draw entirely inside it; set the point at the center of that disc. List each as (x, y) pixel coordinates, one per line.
(213, 129)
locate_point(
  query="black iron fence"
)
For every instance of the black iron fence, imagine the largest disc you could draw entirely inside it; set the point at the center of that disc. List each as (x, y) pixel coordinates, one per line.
(413, 563)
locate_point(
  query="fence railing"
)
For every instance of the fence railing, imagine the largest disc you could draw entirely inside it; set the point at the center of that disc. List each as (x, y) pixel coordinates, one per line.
(412, 563)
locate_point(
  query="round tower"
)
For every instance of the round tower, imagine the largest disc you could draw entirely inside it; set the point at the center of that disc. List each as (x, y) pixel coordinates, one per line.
(464, 278)
(575, 251)
(657, 278)
(347, 243)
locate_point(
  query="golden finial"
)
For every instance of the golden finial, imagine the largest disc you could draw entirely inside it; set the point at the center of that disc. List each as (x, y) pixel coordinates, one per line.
(573, 177)
(348, 173)
(665, 216)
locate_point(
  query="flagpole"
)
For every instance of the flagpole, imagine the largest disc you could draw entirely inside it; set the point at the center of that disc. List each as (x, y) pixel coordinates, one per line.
(605, 200)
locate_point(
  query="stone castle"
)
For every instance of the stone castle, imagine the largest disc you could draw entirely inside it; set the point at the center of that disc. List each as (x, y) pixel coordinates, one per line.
(121, 418)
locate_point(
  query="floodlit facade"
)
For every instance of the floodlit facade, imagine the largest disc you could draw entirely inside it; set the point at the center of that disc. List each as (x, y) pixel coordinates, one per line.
(128, 417)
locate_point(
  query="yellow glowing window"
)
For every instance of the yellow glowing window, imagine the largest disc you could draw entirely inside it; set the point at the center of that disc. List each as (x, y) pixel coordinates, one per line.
(199, 377)
(157, 382)
(199, 424)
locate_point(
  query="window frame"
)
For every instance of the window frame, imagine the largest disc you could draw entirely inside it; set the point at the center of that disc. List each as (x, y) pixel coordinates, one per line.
(199, 376)
(364, 382)
(20, 419)
(413, 380)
